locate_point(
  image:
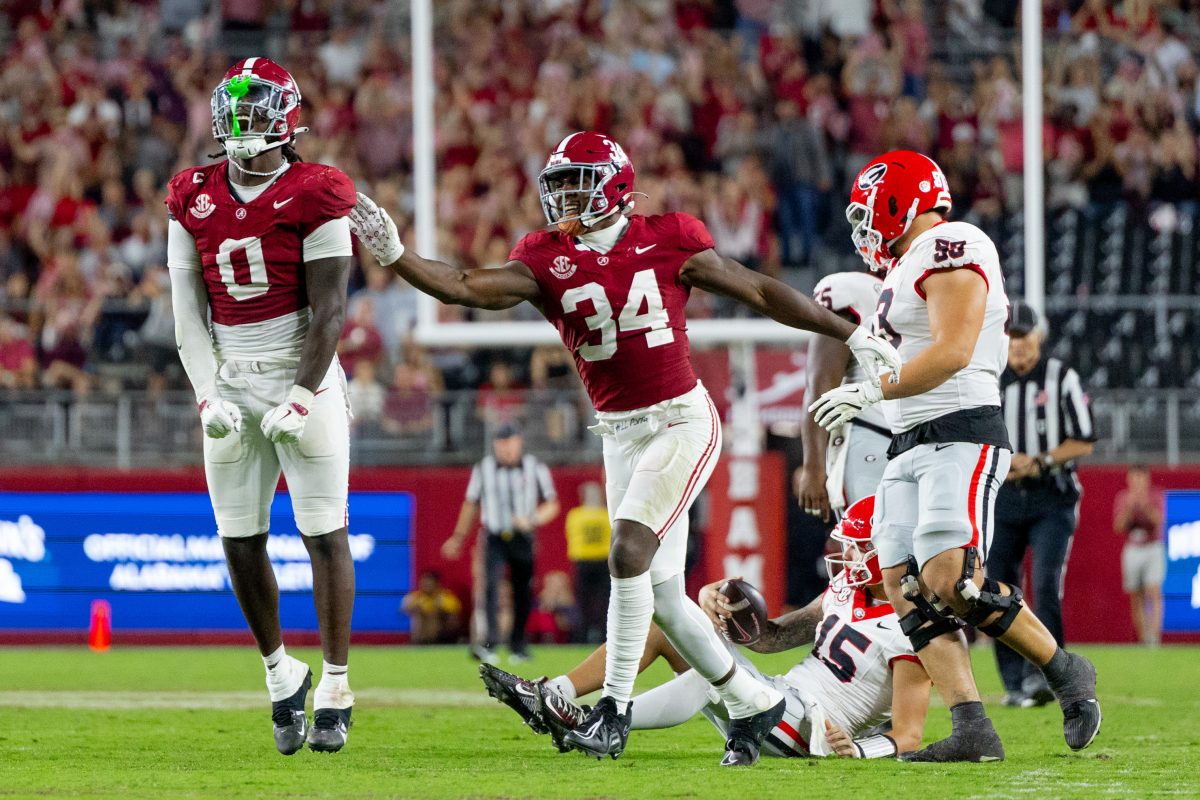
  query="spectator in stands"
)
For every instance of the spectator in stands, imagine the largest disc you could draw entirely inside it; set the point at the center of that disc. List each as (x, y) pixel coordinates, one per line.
(156, 336)
(18, 362)
(434, 612)
(393, 305)
(500, 400)
(1138, 516)
(360, 339)
(408, 409)
(367, 398)
(800, 172)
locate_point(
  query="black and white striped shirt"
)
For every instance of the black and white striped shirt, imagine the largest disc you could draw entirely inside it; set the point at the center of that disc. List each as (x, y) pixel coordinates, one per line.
(505, 492)
(1044, 407)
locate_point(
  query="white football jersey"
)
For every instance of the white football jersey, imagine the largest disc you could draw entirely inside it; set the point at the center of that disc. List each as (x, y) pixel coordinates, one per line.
(856, 295)
(903, 318)
(850, 670)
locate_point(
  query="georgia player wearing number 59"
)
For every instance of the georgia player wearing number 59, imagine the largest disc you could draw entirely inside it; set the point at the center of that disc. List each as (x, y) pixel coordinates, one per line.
(615, 285)
(261, 239)
(943, 304)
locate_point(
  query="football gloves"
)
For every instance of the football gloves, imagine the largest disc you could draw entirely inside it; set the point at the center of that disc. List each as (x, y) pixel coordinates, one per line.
(284, 424)
(375, 229)
(845, 403)
(874, 355)
(219, 417)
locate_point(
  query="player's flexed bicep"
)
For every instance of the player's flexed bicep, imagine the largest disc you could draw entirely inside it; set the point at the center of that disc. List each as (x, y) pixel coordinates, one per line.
(484, 288)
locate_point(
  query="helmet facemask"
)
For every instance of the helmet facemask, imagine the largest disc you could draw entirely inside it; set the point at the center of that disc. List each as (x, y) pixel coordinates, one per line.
(572, 195)
(868, 241)
(249, 115)
(852, 565)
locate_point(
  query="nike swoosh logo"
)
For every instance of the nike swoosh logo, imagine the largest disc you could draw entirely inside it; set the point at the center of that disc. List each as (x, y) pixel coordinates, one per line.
(283, 203)
(881, 625)
(938, 447)
(521, 690)
(673, 424)
(640, 250)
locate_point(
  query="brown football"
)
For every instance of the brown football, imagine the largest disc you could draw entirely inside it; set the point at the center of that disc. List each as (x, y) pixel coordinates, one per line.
(749, 618)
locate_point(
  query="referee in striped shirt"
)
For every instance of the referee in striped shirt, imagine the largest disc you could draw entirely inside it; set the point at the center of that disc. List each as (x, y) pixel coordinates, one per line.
(512, 493)
(1049, 424)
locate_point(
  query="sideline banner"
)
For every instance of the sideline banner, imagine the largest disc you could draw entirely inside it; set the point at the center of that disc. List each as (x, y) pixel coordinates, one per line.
(157, 559)
(1181, 589)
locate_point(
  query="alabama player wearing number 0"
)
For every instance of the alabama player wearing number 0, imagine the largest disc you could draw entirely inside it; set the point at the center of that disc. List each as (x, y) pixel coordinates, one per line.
(261, 240)
(615, 284)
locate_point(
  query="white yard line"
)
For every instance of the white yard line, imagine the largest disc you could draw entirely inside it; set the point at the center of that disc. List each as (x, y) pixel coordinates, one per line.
(112, 700)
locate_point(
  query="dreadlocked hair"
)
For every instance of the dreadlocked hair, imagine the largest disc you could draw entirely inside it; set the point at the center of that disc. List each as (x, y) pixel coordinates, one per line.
(289, 153)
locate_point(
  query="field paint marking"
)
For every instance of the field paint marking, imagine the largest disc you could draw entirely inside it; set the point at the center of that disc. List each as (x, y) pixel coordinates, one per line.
(111, 700)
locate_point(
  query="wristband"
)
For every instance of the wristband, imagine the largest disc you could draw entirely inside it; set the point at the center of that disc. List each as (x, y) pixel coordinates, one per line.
(881, 746)
(1046, 460)
(299, 396)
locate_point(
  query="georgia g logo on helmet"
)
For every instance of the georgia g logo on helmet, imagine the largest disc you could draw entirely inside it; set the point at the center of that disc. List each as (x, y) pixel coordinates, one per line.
(871, 176)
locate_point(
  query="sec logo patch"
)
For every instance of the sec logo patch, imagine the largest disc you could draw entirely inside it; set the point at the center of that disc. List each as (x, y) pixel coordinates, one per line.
(203, 207)
(563, 268)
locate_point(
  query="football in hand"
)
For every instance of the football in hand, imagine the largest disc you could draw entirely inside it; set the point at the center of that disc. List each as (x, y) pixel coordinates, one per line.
(749, 611)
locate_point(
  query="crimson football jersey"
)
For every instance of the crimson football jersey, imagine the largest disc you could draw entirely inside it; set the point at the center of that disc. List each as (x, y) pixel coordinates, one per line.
(252, 254)
(621, 313)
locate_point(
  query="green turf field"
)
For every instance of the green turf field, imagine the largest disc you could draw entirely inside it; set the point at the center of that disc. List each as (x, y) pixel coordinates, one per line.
(194, 723)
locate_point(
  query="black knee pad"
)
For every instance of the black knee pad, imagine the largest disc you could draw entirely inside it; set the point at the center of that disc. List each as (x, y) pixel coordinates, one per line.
(990, 600)
(924, 623)
(922, 628)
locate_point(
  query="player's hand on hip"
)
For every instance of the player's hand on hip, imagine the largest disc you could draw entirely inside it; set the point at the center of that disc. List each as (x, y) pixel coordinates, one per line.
(811, 491)
(284, 424)
(844, 403)
(219, 417)
(375, 229)
(874, 355)
(840, 741)
(716, 605)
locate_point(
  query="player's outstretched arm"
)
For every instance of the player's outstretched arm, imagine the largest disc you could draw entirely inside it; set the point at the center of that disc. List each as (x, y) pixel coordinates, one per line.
(715, 273)
(827, 360)
(499, 288)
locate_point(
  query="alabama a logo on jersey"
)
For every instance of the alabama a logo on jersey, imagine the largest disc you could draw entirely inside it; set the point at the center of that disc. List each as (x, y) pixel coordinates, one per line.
(204, 206)
(563, 268)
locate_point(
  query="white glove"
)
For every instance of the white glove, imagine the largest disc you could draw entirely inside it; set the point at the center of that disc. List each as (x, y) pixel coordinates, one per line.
(844, 403)
(219, 417)
(284, 424)
(375, 229)
(874, 355)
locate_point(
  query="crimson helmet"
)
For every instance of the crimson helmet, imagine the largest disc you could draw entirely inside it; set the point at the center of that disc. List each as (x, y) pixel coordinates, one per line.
(255, 108)
(587, 178)
(857, 563)
(887, 196)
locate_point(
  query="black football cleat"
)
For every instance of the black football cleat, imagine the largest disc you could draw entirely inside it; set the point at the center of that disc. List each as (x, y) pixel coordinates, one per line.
(603, 733)
(329, 729)
(1076, 695)
(560, 715)
(516, 693)
(291, 724)
(974, 741)
(744, 739)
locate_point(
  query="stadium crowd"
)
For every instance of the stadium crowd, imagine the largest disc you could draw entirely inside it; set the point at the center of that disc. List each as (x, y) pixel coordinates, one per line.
(749, 115)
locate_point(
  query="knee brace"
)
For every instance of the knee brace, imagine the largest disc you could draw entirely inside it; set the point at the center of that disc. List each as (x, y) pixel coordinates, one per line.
(924, 623)
(987, 600)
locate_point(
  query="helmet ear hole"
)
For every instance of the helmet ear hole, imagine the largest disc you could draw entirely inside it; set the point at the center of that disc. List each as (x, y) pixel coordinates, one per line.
(893, 207)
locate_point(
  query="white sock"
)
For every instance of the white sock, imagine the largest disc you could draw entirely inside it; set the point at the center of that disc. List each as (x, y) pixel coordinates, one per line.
(334, 689)
(746, 696)
(630, 608)
(672, 703)
(284, 674)
(271, 661)
(564, 686)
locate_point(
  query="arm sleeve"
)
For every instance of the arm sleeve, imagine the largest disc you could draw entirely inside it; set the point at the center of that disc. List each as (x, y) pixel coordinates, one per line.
(1077, 417)
(189, 301)
(181, 248)
(475, 487)
(331, 240)
(545, 483)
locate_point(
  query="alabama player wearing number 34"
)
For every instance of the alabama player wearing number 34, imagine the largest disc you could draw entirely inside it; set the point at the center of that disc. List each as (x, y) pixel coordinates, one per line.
(615, 284)
(943, 305)
(261, 239)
